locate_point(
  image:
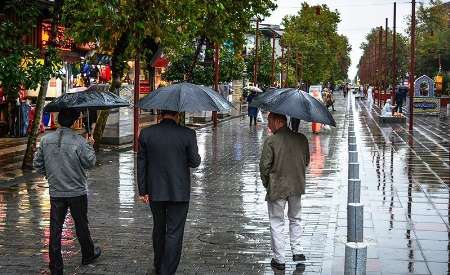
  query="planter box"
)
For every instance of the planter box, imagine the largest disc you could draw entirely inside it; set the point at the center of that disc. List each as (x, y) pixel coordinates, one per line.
(392, 119)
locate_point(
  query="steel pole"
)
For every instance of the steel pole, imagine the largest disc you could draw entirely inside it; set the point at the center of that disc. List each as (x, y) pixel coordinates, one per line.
(394, 50)
(380, 43)
(216, 78)
(255, 75)
(385, 54)
(137, 71)
(282, 67)
(412, 65)
(272, 78)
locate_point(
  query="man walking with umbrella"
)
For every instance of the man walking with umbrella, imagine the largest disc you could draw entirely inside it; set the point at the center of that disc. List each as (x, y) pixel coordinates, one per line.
(283, 162)
(63, 157)
(166, 152)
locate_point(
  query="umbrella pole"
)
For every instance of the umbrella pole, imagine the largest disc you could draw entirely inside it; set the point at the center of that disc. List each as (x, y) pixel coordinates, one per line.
(88, 124)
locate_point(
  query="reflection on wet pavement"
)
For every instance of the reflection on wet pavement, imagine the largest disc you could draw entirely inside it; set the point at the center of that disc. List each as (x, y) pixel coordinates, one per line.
(405, 180)
(405, 191)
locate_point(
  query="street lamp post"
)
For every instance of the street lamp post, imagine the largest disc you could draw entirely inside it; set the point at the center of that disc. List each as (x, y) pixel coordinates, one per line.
(412, 65)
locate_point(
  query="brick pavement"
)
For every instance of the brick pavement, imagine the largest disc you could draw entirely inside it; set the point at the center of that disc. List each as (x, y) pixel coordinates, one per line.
(227, 231)
(405, 193)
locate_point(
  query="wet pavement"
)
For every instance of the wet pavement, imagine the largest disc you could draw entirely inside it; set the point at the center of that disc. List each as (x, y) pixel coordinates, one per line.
(405, 192)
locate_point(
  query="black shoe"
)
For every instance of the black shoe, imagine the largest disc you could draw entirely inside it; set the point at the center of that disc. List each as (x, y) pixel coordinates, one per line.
(97, 253)
(298, 257)
(277, 265)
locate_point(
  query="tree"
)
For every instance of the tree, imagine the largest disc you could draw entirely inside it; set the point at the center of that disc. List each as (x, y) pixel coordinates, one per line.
(370, 75)
(123, 28)
(433, 36)
(321, 54)
(265, 64)
(21, 64)
(231, 66)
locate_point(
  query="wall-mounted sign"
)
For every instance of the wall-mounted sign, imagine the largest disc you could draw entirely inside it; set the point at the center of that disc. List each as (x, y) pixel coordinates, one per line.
(62, 42)
(424, 86)
(426, 105)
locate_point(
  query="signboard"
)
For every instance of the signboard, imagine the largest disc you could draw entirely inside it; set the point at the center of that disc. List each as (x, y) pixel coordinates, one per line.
(62, 42)
(424, 86)
(426, 105)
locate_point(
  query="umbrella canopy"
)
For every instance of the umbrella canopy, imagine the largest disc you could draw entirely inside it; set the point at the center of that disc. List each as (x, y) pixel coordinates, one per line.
(95, 97)
(185, 97)
(294, 103)
(253, 89)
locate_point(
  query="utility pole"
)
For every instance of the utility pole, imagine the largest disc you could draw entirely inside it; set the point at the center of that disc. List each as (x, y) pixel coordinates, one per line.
(216, 79)
(282, 66)
(385, 67)
(412, 65)
(273, 58)
(288, 57)
(380, 62)
(255, 75)
(137, 71)
(394, 51)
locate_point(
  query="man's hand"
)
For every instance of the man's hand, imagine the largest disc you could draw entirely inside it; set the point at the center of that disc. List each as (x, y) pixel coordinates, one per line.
(90, 139)
(145, 199)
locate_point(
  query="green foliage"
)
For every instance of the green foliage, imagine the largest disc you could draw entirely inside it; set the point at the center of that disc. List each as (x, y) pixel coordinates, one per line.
(217, 21)
(231, 64)
(433, 39)
(21, 65)
(264, 65)
(324, 53)
(402, 53)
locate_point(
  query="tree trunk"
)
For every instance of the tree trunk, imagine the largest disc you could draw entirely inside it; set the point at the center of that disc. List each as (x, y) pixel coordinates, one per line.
(32, 138)
(190, 73)
(117, 69)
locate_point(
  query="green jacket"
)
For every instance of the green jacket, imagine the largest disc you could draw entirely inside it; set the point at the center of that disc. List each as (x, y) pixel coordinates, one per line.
(283, 163)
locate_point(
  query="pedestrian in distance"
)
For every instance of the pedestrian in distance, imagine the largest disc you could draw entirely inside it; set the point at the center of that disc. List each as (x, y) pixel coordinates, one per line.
(328, 98)
(282, 166)
(295, 123)
(63, 158)
(400, 97)
(252, 111)
(166, 152)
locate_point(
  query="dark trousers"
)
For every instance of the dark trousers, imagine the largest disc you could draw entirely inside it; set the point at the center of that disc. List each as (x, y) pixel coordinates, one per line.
(58, 210)
(252, 118)
(168, 229)
(295, 123)
(399, 106)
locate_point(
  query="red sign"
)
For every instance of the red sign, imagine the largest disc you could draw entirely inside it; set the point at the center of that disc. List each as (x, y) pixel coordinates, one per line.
(62, 42)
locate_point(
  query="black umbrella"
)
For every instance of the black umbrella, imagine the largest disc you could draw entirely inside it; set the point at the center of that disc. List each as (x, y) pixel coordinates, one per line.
(185, 97)
(294, 103)
(96, 97)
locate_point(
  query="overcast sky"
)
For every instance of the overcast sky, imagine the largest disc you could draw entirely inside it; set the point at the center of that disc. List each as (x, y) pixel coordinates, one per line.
(358, 17)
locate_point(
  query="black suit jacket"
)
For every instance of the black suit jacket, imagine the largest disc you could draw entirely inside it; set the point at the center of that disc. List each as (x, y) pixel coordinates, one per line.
(166, 152)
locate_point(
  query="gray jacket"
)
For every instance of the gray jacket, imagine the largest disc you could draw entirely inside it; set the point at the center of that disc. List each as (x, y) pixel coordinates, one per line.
(63, 157)
(283, 163)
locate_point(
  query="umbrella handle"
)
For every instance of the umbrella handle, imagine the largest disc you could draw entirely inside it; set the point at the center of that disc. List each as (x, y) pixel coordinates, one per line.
(88, 124)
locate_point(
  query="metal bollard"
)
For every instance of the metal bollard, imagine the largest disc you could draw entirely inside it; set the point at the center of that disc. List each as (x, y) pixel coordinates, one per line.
(351, 138)
(352, 156)
(352, 147)
(354, 191)
(355, 218)
(355, 258)
(353, 170)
